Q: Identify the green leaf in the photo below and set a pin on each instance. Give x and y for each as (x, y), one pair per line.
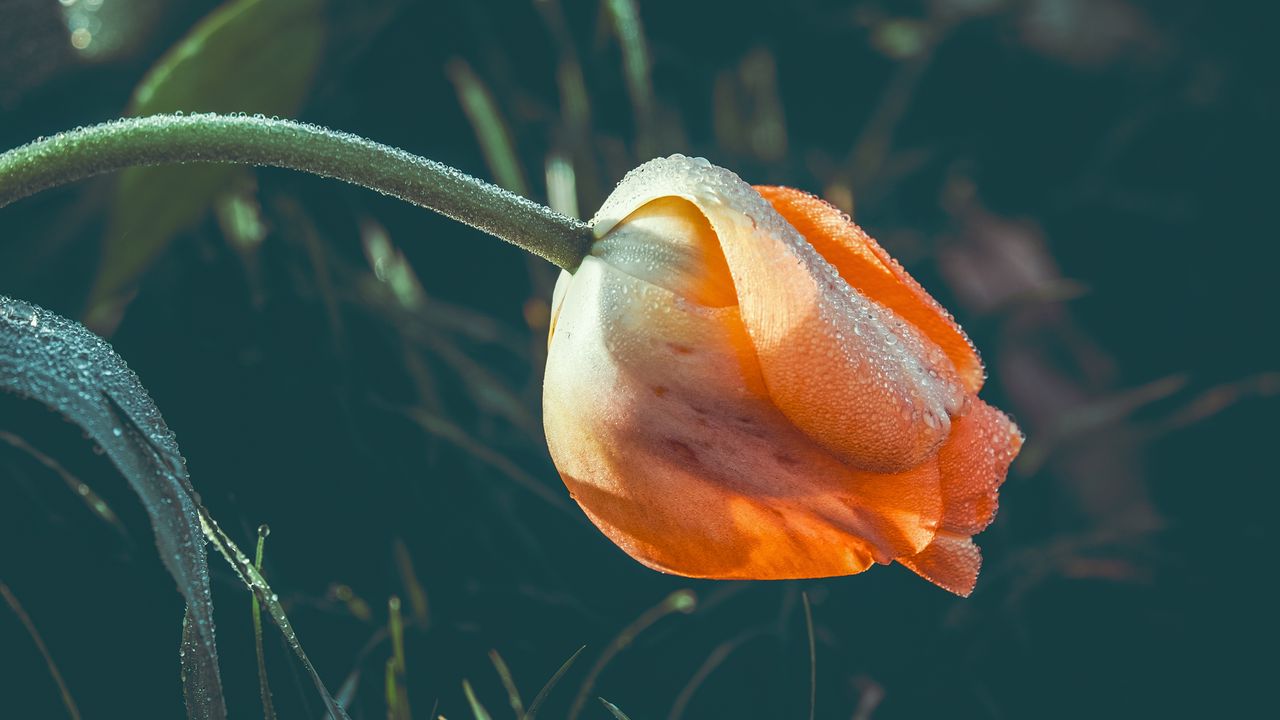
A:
(251, 56)
(59, 364)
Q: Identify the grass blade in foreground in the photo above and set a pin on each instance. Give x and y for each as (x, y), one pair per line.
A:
(268, 708)
(613, 709)
(60, 364)
(684, 601)
(256, 56)
(12, 601)
(63, 366)
(546, 689)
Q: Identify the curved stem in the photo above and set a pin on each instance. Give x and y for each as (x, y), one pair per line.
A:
(169, 139)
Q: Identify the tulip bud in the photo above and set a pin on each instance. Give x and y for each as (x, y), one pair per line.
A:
(742, 384)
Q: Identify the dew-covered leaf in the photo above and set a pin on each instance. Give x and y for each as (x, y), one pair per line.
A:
(53, 361)
(254, 56)
(61, 365)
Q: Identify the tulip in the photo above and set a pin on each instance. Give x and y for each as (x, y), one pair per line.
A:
(742, 384)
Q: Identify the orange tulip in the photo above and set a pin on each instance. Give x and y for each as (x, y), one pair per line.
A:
(742, 384)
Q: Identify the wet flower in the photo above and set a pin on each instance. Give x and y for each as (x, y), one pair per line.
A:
(743, 384)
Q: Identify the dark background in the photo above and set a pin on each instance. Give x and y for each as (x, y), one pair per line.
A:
(1086, 184)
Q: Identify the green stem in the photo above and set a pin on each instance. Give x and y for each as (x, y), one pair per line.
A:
(170, 139)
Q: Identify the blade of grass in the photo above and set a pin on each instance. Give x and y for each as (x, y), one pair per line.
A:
(250, 576)
(489, 392)
(494, 135)
(683, 601)
(813, 655)
(103, 396)
(252, 55)
(491, 130)
(397, 631)
(713, 661)
(355, 604)
(347, 690)
(392, 691)
(575, 110)
(48, 359)
(1219, 398)
(397, 691)
(541, 697)
(81, 490)
(447, 431)
(562, 184)
(268, 707)
(613, 709)
(476, 708)
(409, 578)
(1093, 417)
(25, 619)
(508, 683)
(574, 102)
(390, 266)
(624, 16)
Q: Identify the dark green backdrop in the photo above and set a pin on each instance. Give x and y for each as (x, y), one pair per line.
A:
(1086, 184)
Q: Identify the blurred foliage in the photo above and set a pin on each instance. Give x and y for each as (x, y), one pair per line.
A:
(1085, 183)
(255, 56)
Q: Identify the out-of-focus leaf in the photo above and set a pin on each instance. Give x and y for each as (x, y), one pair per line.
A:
(748, 113)
(1093, 417)
(491, 130)
(508, 683)
(50, 360)
(255, 56)
(624, 17)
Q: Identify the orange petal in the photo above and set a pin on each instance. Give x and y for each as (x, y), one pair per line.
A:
(866, 266)
(662, 428)
(853, 376)
(950, 562)
(973, 464)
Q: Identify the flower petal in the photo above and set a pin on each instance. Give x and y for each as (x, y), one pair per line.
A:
(950, 562)
(973, 464)
(678, 454)
(853, 376)
(866, 266)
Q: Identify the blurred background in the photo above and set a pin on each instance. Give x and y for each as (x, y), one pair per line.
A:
(1086, 184)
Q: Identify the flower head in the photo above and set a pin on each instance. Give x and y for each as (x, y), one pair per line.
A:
(742, 384)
